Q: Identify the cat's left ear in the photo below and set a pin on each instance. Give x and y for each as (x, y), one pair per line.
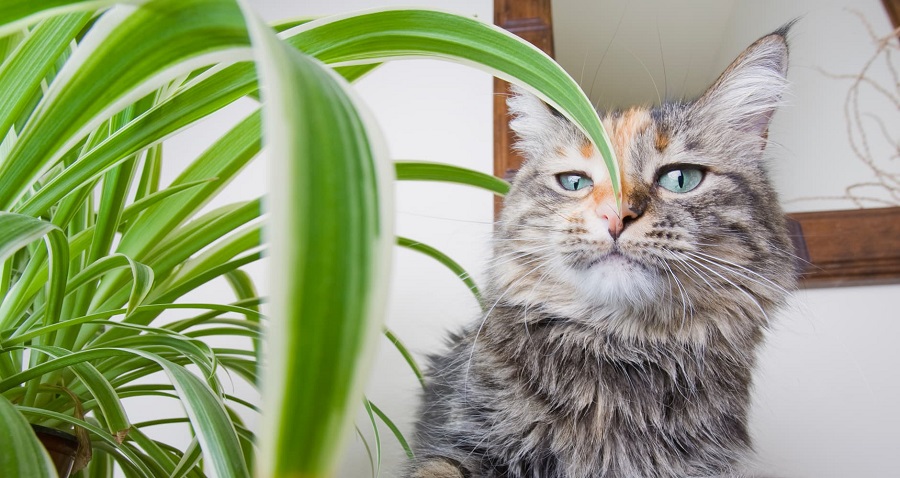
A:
(539, 127)
(745, 96)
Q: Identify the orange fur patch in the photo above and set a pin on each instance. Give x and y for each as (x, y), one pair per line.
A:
(602, 192)
(632, 122)
(662, 141)
(587, 150)
(622, 130)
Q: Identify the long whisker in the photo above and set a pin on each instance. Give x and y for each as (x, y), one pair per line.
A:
(647, 70)
(662, 59)
(518, 254)
(682, 292)
(603, 57)
(525, 313)
(524, 226)
(736, 286)
(719, 261)
(552, 209)
(443, 218)
(787, 253)
(484, 320)
(678, 257)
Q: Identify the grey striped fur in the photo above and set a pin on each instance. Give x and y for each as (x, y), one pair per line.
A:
(639, 363)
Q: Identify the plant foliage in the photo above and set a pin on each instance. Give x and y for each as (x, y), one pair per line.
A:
(94, 248)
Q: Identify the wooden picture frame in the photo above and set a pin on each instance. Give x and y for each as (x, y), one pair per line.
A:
(893, 12)
(835, 248)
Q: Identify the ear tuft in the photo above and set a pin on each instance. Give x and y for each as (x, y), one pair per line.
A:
(537, 125)
(530, 115)
(745, 96)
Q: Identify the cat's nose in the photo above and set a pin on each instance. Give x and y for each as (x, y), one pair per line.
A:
(617, 221)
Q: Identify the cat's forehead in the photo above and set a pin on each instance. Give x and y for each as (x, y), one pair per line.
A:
(643, 139)
(637, 135)
(624, 126)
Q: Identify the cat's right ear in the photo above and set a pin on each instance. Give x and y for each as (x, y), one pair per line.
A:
(537, 125)
(746, 95)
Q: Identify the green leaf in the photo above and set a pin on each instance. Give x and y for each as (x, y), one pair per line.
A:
(123, 451)
(23, 454)
(126, 55)
(368, 449)
(17, 14)
(222, 160)
(215, 432)
(153, 449)
(396, 431)
(218, 438)
(244, 289)
(368, 407)
(382, 35)
(190, 459)
(443, 259)
(142, 277)
(157, 197)
(160, 340)
(407, 355)
(177, 248)
(22, 72)
(425, 171)
(99, 388)
(329, 279)
(251, 303)
(19, 337)
(16, 231)
(221, 252)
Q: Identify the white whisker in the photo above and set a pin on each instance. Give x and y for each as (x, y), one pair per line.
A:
(736, 286)
(484, 320)
(719, 261)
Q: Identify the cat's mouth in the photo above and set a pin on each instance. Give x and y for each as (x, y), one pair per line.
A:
(614, 257)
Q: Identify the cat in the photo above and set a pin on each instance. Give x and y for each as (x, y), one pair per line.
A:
(620, 343)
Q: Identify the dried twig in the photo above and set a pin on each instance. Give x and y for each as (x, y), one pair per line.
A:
(885, 180)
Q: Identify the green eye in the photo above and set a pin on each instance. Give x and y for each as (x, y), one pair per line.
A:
(573, 182)
(681, 180)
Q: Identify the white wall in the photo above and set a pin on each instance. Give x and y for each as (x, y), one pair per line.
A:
(628, 52)
(827, 386)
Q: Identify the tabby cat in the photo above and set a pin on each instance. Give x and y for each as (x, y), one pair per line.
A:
(621, 342)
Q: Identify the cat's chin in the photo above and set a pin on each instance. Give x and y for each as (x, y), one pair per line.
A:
(616, 280)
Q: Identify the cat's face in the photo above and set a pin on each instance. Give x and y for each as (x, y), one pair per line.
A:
(699, 227)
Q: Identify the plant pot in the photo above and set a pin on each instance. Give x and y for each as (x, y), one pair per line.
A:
(62, 447)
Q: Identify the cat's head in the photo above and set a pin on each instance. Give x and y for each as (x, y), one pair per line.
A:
(700, 227)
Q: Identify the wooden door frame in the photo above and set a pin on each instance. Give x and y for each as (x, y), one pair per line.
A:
(838, 248)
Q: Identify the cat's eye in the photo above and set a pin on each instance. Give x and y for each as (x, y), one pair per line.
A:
(681, 180)
(574, 181)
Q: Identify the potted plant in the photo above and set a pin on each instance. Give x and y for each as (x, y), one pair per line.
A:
(93, 248)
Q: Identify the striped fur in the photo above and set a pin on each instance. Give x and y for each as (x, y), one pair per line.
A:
(629, 357)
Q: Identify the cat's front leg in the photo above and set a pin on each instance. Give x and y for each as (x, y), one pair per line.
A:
(439, 468)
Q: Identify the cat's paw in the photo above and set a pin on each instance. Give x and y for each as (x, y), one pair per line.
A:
(438, 468)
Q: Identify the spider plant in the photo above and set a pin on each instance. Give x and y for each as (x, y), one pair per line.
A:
(94, 248)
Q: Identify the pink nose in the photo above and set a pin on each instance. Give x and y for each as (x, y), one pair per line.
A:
(617, 221)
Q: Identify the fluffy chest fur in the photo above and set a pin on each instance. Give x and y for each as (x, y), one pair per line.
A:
(619, 333)
(560, 401)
